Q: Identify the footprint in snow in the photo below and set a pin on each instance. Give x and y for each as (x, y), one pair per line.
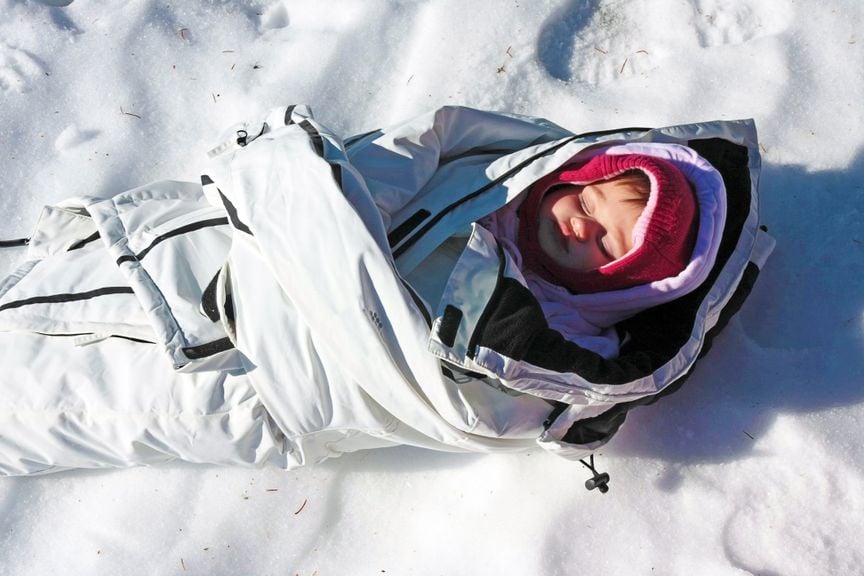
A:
(597, 42)
(17, 69)
(802, 508)
(72, 136)
(600, 41)
(274, 17)
(722, 22)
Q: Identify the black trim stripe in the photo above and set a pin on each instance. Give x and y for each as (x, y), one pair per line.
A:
(70, 297)
(76, 334)
(336, 169)
(131, 339)
(176, 232)
(208, 349)
(81, 243)
(14, 243)
(314, 136)
(352, 140)
(288, 112)
(206, 180)
(407, 226)
(418, 302)
(468, 197)
(232, 214)
(318, 143)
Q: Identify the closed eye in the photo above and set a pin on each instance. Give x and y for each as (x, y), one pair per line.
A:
(584, 205)
(601, 244)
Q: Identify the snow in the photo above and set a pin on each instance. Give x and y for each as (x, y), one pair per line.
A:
(754, 467)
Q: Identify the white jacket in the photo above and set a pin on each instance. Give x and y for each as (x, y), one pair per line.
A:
(300, 272)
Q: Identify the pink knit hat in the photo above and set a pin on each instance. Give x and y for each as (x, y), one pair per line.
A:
(663, 236)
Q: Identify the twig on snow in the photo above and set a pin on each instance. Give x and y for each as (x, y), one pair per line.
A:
(129, 113)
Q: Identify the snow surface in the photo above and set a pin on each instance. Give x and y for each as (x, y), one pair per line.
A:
(755, 467)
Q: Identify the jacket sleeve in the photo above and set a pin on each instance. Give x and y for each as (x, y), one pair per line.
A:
(397, 162)
(298, 205)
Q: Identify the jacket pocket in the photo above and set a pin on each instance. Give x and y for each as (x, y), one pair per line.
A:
(170, 245)
(468, 298)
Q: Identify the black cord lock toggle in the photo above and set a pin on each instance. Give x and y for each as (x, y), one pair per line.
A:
(600, 480)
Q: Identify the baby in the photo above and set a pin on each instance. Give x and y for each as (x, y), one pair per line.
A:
(595, 236)
(116, 352)
(611, 223)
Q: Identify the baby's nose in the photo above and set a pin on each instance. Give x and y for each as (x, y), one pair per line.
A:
(583, 229)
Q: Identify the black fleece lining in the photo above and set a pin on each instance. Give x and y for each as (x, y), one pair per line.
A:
(517, 328)
(612, 419)
(597, 428)
(449, 326)
(491, 311)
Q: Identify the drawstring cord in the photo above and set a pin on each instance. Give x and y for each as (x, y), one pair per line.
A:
(599, 481)
(14, 243)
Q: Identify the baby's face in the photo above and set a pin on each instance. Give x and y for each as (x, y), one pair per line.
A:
(585, 227)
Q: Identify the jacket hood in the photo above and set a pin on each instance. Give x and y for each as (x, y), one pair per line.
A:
(604, 309)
